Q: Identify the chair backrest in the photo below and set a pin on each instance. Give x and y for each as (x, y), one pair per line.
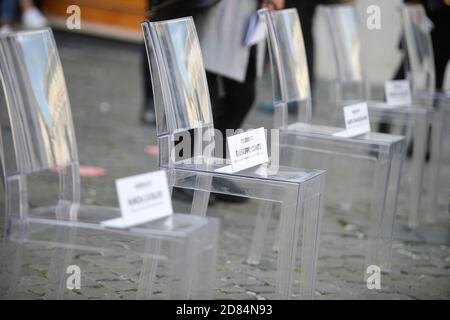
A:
(350, 83)
(37, 103)
(420, 69)
(290, 79)
(180, 88)
(343, 27)
(178, 75)
(42, 134)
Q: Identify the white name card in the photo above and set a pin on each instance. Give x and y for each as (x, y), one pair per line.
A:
(398, 93)
(356, 121)
(142, 198)
(247, 149)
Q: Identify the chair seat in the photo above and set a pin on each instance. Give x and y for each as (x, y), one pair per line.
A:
(326, 133)
(384, 107)
(222, 167)
(434, 95)
(90, 217)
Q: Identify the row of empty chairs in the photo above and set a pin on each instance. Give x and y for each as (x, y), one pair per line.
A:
(177, 255)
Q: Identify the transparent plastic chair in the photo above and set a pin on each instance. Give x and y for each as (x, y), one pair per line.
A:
(351, 85)
(41, 156)
(385, 153)
(420, 70)
(182, 104)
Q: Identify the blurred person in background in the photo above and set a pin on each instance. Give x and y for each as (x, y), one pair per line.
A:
(221, 26)
(306, 10)
(230, 69)
(32, 18)
(230, 65)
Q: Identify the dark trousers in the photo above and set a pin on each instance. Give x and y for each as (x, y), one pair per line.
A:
(230, 110)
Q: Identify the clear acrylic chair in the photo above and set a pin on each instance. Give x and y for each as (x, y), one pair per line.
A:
(420, 70)
(42, 196)
(182, 104)
(384, 152)
(351, 85)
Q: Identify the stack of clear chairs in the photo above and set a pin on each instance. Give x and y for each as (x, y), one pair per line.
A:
(420, 70)
(168, 258)
(351, 85)
(182, 106)
(383, 153)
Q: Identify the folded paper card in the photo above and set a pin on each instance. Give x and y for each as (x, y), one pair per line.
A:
(142, 198)
(247, 149)
(356, 121)
(398, 93)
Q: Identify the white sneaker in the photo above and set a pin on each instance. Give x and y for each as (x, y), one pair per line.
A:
(33, 19)
(5, 29)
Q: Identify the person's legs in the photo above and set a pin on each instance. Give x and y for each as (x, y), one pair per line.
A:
(441, 46)
(213, 87)
(219, 110)
(238, 100)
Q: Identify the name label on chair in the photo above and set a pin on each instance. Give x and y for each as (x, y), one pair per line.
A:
(142, 198)
(398, 93)
(247, 149)
(356, 121)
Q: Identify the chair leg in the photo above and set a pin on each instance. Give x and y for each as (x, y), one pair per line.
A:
(261, 225)
(15, 233)
(380, 234)
(205, 261)
(10, 267)
(201, 198)
(310, 245)
(276, 242)
(418, 162)
(335, 101)
(69, 192)
(148, 269)
(437, 132)
(181, 258)
(393, 173)
(60, 261)
(290, 222)
(351, 180)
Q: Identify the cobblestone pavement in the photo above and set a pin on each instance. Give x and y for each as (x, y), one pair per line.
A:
(104, 85)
